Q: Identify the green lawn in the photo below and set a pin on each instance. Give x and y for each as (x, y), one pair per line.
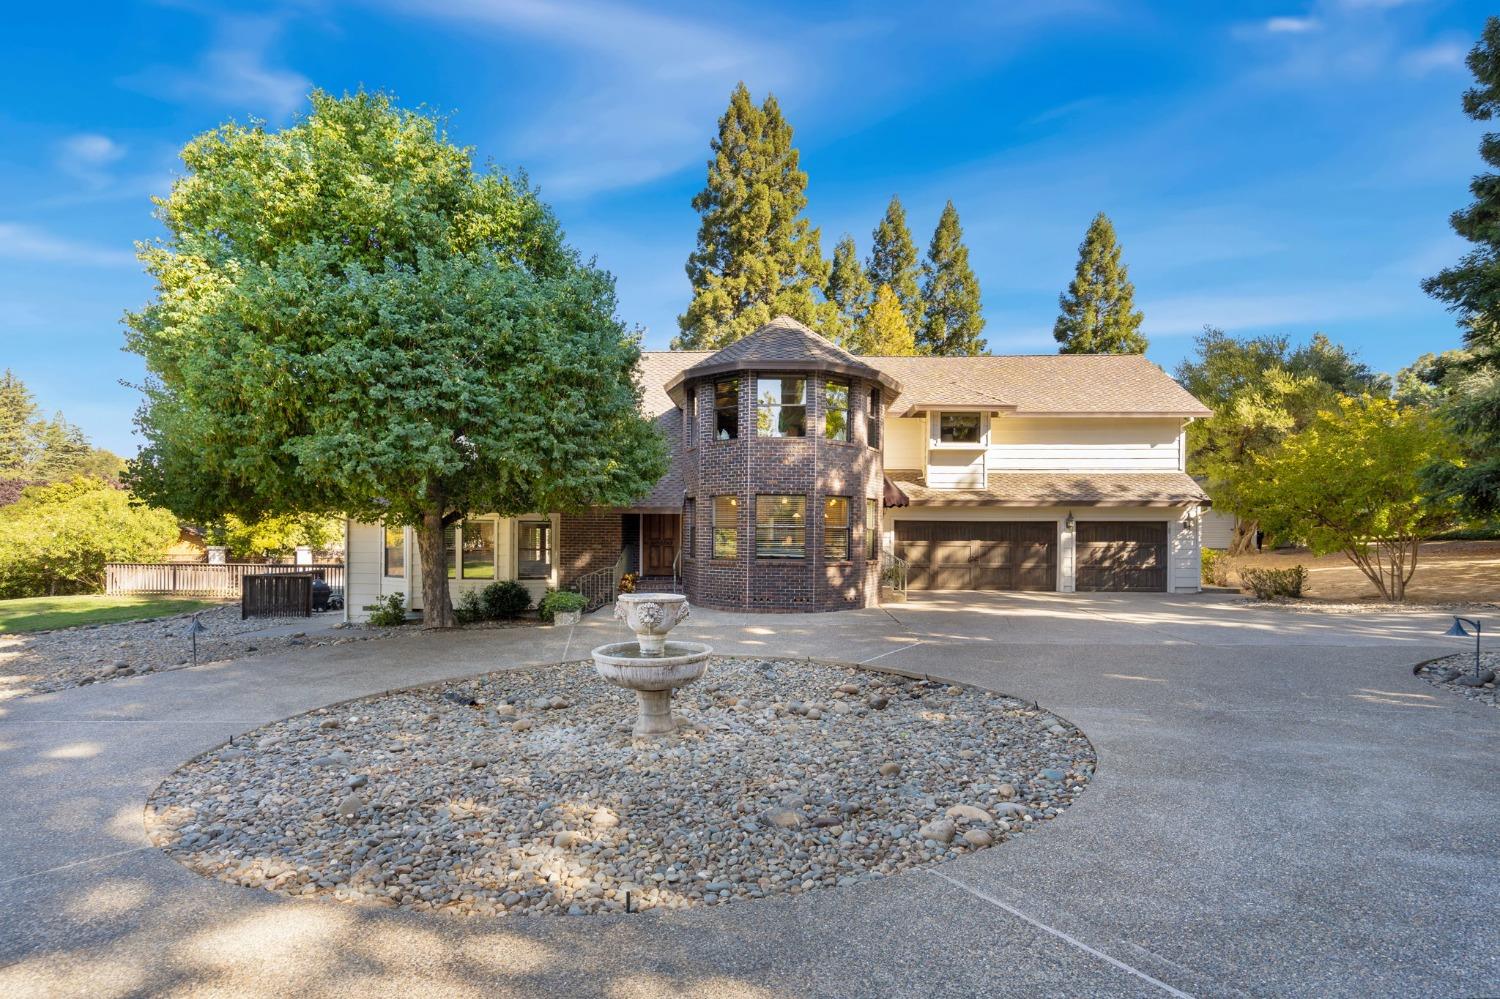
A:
(43, 613)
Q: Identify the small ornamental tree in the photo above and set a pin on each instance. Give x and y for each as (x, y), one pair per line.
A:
(349, 318)
(1097, 312)
(1350, 483)
(884, 329)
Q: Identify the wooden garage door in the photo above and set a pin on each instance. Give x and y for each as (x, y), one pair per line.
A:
(1118, 555)
(978, 555)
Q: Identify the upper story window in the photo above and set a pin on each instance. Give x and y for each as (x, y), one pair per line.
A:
(781, 407)
(958, 428)
(872, 419)
(836, 411)
(395, 551)
(534, 549)
(690, 418)
(727, 409)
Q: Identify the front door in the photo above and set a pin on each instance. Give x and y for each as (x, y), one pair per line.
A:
(658, 543)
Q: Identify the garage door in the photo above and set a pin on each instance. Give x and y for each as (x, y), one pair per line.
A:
(978, 555)
(1117, 555)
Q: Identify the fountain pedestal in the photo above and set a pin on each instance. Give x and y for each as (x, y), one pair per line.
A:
(652, 666)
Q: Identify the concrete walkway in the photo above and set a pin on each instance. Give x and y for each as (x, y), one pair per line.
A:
(1281, 808)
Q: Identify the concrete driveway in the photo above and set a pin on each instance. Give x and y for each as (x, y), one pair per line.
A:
(1280, 808)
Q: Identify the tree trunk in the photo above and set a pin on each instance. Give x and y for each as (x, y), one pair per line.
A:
(437, 603)
(1243, 542)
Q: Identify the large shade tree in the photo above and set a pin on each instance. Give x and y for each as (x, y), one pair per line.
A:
(1471, 288)
(1349, 483)
(757, 256)
(349, 317)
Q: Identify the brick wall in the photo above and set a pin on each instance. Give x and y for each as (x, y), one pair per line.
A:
(590, 540)
(812, 467)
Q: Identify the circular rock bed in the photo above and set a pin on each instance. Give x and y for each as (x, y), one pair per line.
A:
(1456, 673)
(522, 792)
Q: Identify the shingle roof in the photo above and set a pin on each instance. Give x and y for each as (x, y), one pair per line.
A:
(658, 367)
(1061, 489)
(782, 339)
(1041, 383)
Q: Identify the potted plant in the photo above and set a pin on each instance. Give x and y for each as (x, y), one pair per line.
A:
(562, 607)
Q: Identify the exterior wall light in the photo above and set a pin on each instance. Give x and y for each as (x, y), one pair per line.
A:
(1069, 522)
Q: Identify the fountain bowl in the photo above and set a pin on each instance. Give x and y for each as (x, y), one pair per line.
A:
(651, 616)
(622, 664)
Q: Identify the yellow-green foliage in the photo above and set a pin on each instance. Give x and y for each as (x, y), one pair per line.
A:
(55, 539)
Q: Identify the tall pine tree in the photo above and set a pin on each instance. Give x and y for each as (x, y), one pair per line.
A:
(18, 417)
(950, 293)
(884, 329)
(1472, 289)
(893, 261)
(849, 291)
(1098, 309)
(756, 257)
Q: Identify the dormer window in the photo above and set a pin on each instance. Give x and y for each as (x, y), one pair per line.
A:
(781, 407)
(958, 428)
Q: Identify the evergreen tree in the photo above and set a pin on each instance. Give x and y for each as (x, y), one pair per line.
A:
(950, 293)
(893, 261)
(756, 257)
(17, 427)
(849, 291)
(1472, 289)
(885, 330)
(1098, 309)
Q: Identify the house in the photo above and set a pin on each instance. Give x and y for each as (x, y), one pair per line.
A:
(798, 468)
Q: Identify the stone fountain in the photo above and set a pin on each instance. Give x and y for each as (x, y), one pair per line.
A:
(652, 666)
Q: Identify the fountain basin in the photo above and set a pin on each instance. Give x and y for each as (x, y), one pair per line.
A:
(622, 664)
(651, 616)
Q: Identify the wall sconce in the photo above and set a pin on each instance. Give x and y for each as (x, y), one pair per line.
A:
(1069, 522)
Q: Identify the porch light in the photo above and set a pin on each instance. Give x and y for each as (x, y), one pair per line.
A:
(1069, 522)
(1459, 631)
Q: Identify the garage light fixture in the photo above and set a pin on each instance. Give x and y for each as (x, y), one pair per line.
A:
(1069, 522)
(1459, 631)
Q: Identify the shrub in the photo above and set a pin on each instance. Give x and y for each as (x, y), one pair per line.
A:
(560, 602)
(1215, 567)
(505, 599)
(470, 608)
(1269, 583)
(389, 612)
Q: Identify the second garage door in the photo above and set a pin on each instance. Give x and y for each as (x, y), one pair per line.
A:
(1118, 555)
(978, 555)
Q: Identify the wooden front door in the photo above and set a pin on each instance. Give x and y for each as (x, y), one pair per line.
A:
(658, 543)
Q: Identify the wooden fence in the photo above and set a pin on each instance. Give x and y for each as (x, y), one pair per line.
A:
(201, 578)
(277, 594)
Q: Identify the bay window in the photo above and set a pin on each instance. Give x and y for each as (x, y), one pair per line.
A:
(781, 527)
(836, 529)
(836, 411)
(781, 407)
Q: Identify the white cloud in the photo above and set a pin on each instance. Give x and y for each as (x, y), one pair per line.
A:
(87, 157)
(234, 73)
(24, 242)
(1436, 57)
(1290, 25)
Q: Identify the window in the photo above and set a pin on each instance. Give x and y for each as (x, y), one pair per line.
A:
(534, 550)
(836, 411)
(450, 549)
(872, 419)
(958, 428)
(689, 518)
(727, 409)
(872, 530)
(395, 551)
(780, 527)
(479, 549)
(836, 529)
(726, 526)
(690, 418)
(781, 407)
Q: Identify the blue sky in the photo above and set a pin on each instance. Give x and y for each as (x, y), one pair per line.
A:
(1270, 167)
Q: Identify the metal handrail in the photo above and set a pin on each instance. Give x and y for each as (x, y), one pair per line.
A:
(600, 586)
(893, 570)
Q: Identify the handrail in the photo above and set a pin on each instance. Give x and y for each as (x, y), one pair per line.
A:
(600, 586)
(893, 570)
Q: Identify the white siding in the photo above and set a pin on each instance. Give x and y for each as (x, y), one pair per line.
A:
(1218, 529)
(1185, 559)
(955, 469)
(363, 559)
(1133, 444)
(905, 443)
